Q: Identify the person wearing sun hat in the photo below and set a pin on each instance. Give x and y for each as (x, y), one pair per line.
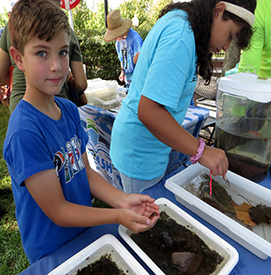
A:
(128, 43)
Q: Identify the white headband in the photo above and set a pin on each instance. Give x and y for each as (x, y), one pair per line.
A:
(241, 12)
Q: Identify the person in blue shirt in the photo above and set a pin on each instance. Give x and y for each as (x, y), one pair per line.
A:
(128, 44)
(177, 49)
(1, 31)
(45, 145)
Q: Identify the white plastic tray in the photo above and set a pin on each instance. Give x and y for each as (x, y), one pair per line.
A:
(249, 190)
(105, 244)
(107, 101)
(210, 238)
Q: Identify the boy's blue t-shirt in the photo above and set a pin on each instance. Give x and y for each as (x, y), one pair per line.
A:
(126, 49)
(34, 143)
(166, 72)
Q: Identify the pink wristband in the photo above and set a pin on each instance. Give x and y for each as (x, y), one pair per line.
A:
(194, 159)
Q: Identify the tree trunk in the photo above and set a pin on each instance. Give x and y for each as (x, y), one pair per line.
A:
(232, 57)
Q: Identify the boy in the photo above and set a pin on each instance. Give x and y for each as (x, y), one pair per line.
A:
(45, 146)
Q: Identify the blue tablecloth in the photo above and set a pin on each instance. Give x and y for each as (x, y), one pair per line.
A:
(248, 264)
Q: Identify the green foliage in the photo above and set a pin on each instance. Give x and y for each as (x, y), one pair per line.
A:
(89, 26)
(100, 57)
(3, 19)
(155, 10)
(4, 117)
(82, 17)
(12, 257)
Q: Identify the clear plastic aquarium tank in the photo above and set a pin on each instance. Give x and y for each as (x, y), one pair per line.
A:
(243, 124)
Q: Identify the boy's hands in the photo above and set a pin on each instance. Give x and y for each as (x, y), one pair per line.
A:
(142, 207)
(136, 222)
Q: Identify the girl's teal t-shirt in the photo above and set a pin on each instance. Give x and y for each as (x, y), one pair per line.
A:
(166, 72)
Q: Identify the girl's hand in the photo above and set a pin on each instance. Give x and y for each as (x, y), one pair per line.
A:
(121, 76)
(135, 58)
(214, 159)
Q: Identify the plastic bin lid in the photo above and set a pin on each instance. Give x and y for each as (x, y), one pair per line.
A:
(246, 85)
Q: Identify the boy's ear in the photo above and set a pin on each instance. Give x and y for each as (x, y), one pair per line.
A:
(17, 57)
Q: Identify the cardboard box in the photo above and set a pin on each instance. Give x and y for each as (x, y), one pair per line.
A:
(249, 191)
(105, 244)
(211, 239)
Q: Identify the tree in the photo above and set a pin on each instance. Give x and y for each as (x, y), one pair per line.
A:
(139, 8)
(232, 57)
(155, 10)
(89, 25)
(82, 17)
(3, 19)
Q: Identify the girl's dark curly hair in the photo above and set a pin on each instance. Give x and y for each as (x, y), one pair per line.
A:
(200, 16)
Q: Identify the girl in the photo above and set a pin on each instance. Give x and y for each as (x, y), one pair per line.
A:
(177, 49)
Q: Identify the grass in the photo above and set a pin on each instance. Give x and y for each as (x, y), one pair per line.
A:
(12, 257)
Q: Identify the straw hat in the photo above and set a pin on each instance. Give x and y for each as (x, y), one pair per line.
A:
(116, 25)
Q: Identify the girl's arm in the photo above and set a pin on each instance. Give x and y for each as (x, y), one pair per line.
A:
(164, 127)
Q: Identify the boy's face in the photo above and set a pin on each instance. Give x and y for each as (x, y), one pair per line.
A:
(46, 64)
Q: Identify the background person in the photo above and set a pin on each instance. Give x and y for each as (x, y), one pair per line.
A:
(45, 145)
(1, 31)
(4, 94)
(77, 97)
(128, 44)
(78, 83)
(258, 56)
(176, 50)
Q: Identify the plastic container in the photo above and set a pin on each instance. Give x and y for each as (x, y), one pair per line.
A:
(211, 239)
(243, 124)
(104, 93)
(102, 86)
(254, 193)
(105, 244)
(106, 101)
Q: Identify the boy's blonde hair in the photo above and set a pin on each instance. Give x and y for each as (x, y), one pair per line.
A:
(41, 18)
